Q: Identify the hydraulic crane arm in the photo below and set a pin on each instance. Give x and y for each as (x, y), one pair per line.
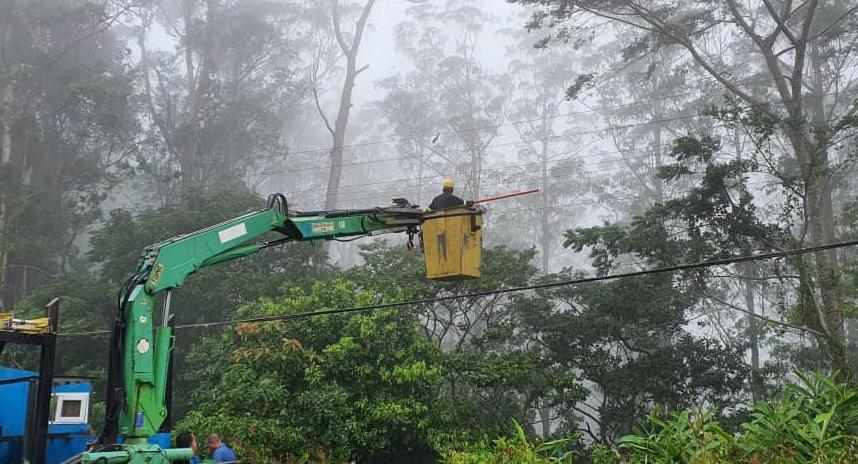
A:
(140, 351)
(170, 262)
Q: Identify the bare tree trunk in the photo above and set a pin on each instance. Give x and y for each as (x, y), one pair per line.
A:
(753, 333)
(750, 304)
(5, 163)
(196, 86)
(545, 420)
(545, 245)
(166, 192)
(827, 261)
(338, 132)
(658, 185)
(821, 221)
(545, 240)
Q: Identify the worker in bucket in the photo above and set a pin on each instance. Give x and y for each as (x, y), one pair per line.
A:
(446, 199)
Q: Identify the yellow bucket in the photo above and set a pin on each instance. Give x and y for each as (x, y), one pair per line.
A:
(452, 243)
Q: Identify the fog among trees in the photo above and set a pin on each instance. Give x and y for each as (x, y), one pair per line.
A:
(659, 133)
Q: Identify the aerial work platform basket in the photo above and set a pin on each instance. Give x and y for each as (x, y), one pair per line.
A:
(452, 243)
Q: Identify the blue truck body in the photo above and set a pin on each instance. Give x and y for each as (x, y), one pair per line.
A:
(68, 429)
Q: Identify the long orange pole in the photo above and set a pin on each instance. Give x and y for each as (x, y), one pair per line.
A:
(506, 195)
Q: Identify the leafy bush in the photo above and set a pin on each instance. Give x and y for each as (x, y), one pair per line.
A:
(516, 449)
(686, 437)
(814, 421)
(342, 387)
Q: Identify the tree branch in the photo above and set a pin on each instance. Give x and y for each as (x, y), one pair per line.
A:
(710, 68)
(782, 25)
(766, 50)
(800, 54)
(338, 33)
(314, 90)
(361, 23)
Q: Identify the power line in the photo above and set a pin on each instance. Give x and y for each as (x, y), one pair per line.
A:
(362, 196)
(561, 136)
(464, 150)
(303, 193)
(522, 176)
(716, 87)
(585, 280)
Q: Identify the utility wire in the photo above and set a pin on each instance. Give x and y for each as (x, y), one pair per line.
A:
(716, 87)
(666, 269)
(427, 180)
(464, 150)
(322, 190)
(521, 181)
(571, 171)
(421, 179)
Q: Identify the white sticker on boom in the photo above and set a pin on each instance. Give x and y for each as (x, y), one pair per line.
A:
(232, 233)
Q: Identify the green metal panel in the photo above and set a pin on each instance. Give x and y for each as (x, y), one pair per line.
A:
(325, 228)
(138, 454)
(179, 257)
(144, 410)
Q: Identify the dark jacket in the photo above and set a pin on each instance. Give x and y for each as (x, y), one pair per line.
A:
(446, 200)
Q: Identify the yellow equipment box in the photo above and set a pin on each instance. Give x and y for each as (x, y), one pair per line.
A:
(453, 243)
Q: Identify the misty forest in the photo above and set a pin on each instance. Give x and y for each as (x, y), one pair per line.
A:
(683, 287)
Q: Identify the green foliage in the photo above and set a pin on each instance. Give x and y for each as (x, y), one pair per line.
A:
(628, 339)
(85, 304)
(685, 437)
(632, 331)
(493, 370)
(374, 386)
(67, 130)
(601, 454)
(515, 449)
(814, 421)
(339, 387)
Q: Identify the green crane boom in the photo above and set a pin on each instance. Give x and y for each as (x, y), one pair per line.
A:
(140, 350)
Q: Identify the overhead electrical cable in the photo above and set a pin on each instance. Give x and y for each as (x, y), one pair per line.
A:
(716, 88)
(584, 280)
(495, 168)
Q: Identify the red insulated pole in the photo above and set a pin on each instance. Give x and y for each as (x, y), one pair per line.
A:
(506, 195)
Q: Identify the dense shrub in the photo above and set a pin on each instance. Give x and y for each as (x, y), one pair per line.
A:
(814, 421)
(515, 449)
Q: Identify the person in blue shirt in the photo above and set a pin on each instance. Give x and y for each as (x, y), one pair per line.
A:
(220, 452)
(187, 440)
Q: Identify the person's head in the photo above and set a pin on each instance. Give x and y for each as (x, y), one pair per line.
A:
(447, 186)
(213, 441)
(186, 440)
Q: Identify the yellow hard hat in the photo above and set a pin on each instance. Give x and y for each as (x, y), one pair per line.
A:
(448, 183)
